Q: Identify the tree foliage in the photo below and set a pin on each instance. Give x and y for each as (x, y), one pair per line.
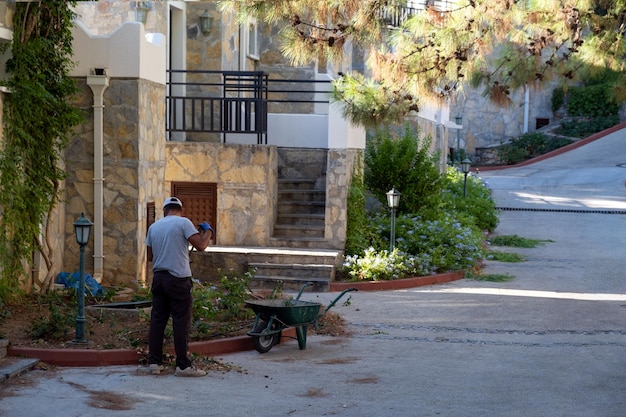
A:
(37, 123)
(497, 45)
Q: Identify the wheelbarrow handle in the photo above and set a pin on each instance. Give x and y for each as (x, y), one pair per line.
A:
(332, 303)
(302, 289)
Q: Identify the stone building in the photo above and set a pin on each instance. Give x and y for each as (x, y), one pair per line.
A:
(183, 100)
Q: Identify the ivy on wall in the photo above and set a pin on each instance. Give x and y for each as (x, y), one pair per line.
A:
(38, 121)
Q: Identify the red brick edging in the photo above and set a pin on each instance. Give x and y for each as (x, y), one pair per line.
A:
(108, 357)
(398, 284)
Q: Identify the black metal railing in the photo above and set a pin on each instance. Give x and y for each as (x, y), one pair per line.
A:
(223, 102)
(396, 13)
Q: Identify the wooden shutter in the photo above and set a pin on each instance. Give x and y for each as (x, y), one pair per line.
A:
(199, 201)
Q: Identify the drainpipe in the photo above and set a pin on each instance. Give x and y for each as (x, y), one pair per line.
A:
(526, 108)
(98, 81)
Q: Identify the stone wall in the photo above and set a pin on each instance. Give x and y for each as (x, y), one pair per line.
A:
(485, 124)
(246, 178)
(339, 172)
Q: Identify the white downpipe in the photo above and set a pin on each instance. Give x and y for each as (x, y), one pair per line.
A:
(526, 108)
(98, 81)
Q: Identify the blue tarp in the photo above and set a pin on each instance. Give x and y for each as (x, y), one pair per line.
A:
(72, 281)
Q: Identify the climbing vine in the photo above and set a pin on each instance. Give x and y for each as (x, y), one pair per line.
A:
(37, 121)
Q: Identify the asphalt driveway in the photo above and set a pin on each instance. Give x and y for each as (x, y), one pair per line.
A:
(551, 342)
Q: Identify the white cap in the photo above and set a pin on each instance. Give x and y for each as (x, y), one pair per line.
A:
(172, 200)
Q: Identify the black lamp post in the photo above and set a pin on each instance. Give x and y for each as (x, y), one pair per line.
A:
(393, 199)
(459, 121)
(466, 165)
(82, 229)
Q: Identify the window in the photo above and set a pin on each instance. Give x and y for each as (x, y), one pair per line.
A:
(252, 39)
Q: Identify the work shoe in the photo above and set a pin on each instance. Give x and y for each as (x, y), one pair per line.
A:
(153, 369)
(190, 371)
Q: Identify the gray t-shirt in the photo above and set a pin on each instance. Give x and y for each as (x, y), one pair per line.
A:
(170, 248)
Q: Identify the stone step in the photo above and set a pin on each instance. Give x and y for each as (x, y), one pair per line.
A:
(301, 219)
(300, 271)
(291, 195)
(305, 231)
(301, 207)
(299, 242)
(297, 184)
(294, 256)
(289, 283)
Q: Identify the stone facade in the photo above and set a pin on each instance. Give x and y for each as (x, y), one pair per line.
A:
(246, 186)
(134, 168)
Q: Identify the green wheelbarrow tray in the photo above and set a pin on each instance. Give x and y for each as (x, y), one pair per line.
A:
(273, 316)
(289, 312)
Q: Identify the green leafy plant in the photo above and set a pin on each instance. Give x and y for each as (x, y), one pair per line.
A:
(357, 238)
(529, 145)
(477, 208)
(220, 308)
(489, 277)
(57, 318)
(581, 128)
(38, 120)
(516, 241)
(376, 265)
(505, 256)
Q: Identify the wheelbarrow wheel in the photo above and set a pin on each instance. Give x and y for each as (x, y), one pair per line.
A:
(263, 344)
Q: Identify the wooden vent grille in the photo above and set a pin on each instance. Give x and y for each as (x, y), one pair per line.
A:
(150, 214)
(199, 201)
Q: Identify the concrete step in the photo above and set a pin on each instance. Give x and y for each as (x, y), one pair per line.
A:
(11, 366)
(304, 231)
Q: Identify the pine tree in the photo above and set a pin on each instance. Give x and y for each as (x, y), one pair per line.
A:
(497, 45)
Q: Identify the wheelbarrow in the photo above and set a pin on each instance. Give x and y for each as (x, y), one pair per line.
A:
(274, 316)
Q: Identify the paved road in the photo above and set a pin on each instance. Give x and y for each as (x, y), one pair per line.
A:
(551, 342)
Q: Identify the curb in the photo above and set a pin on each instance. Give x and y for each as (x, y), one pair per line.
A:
(398, 284)
(109, 357)
(558, 151)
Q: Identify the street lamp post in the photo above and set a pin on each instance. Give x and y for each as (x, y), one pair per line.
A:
(393, 199)
(459, 121)
(82, 229)
(466, 165)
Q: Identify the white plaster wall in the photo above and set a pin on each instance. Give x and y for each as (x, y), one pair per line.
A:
(126, 53)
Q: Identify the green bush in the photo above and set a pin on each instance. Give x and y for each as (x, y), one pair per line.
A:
(592, 101)
(529, 145)
(423, 247)
(403, 161)
(477, 208)
(558, 98)
(583, 128)
(381, 265)
(217, 308)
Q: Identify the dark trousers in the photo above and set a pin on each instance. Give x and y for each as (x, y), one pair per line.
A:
(170, 296)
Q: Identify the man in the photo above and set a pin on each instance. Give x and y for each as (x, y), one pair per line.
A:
(168, 249)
